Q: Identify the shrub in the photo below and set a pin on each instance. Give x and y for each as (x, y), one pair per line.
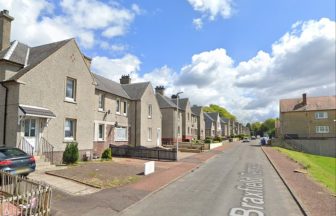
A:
(218, 139)
(107, 154)
(71, 153)
(208, 140)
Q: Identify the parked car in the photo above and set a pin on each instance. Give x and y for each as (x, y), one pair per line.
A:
(16, 161)
(246, 140)
(253, 138)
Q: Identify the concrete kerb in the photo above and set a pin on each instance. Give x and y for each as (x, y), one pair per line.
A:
(172, 181)
(303, 209)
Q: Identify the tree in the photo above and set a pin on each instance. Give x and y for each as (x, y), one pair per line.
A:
(221, 110)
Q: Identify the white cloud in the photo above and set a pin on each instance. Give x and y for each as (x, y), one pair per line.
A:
(115, 68)
(198, 23)
(36, 21)
(303, 60)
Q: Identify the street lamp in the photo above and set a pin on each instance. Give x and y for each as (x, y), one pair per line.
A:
(178, 115)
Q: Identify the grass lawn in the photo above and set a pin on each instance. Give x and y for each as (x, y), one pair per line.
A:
(322, 169)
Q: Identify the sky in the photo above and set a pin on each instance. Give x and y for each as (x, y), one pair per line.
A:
(240, 54)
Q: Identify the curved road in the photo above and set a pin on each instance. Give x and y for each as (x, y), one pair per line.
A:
(239, 181)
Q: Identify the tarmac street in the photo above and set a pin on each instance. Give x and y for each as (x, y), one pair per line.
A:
(239, 181)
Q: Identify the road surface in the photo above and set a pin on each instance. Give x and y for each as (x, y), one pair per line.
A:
(239, 181)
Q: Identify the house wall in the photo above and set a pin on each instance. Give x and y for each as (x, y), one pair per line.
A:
(186, 123)
(45, 86)
(12, 126)
(155, 122)
(194, 127)
(304, 123)
(201, 126)
(108, 116)
(170, 123)
(7, 70)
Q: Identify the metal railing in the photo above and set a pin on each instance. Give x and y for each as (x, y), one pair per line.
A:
(20, 196)
(150, 153)
(25, 146)
(46, 149)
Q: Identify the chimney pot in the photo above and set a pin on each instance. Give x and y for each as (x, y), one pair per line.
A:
(304, 99)
(125, 79)
(160, 90)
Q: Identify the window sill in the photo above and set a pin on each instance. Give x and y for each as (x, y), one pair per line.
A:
(120, 140)
(117, 113)
(101, 110)
(68, 140)
(149, 140)
(70, 100)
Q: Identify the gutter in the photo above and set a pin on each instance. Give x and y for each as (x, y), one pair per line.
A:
(5, 114)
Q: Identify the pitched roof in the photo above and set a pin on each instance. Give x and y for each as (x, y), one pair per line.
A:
(135, 90)
(313, 103)
(27, 56)
(164, 102)
(208, 120)
(196, 110)
(182, 102)
(110, 86)
(224, 120)
(214, 115)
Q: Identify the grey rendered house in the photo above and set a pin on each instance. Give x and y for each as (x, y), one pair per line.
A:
(209, 125)
(187, 123)
(198, 111)
(171, 117)
(217, 121)
(49, 97)
(111, 122)
(144, 113)
(224, 126)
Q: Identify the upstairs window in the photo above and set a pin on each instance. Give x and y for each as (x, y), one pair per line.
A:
(101, 102)
(125, 108)
(118, 106)
(150, 111)
(70, 90)
(321, 115)
(149, 134)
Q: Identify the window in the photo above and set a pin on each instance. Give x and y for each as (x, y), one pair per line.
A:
(150, 111)
(321, 115)
(149, 134)
(30, 127)
(118, 106)
(101, 102)
(179, 114)
(322, 129)
(101, 132)
(70, 91)
(178, 130)
(70, 129)
(188, 130)
(120, 134)
(125, 108)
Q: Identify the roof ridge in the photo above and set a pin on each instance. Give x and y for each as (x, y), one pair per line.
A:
(11, 50)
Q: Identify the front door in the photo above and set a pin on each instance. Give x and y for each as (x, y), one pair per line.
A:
(158, 141)
(31, 131)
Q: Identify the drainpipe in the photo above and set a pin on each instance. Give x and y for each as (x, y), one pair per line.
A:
(135, 125)
(5, 114)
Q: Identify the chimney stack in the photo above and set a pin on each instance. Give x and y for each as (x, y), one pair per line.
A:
(304, 99)
(5, 29)
(125, 79)
(160, 90)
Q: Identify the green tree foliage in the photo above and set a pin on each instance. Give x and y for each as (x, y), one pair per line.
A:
(266, 127)
(221, 110)
(71, 153)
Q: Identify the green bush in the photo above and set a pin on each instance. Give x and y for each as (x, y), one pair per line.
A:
(107, 154)
(71, 153)
(208, 140)
(218, 139)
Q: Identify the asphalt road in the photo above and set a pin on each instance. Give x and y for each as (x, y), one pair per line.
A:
(239, 181)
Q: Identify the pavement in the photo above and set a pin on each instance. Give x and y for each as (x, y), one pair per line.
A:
(238, 181)
(311, 196)
(111, 201)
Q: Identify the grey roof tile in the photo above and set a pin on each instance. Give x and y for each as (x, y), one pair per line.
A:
(208, 120)
(135, 90)
(196, 110)
(165, 102)
(36, 111)
(110, 86)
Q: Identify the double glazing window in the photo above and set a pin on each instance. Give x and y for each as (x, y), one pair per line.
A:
(321, 115)
(70, 129)
(322, 129)
(30, 128)
(101, 102)
(70, 90)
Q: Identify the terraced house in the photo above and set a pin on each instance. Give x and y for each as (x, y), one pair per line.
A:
(49, 97)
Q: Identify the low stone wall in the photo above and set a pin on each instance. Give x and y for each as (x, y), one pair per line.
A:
(323, 147)
(215, 145)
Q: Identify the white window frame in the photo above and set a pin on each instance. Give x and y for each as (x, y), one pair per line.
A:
(150, 134)
(101, 102)
(321, 115)
(103, 132)
(125, 110)
(118, 106)
(74, 128)
(74, 92)
(116, 138)
(322, 129)
(150, 110)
